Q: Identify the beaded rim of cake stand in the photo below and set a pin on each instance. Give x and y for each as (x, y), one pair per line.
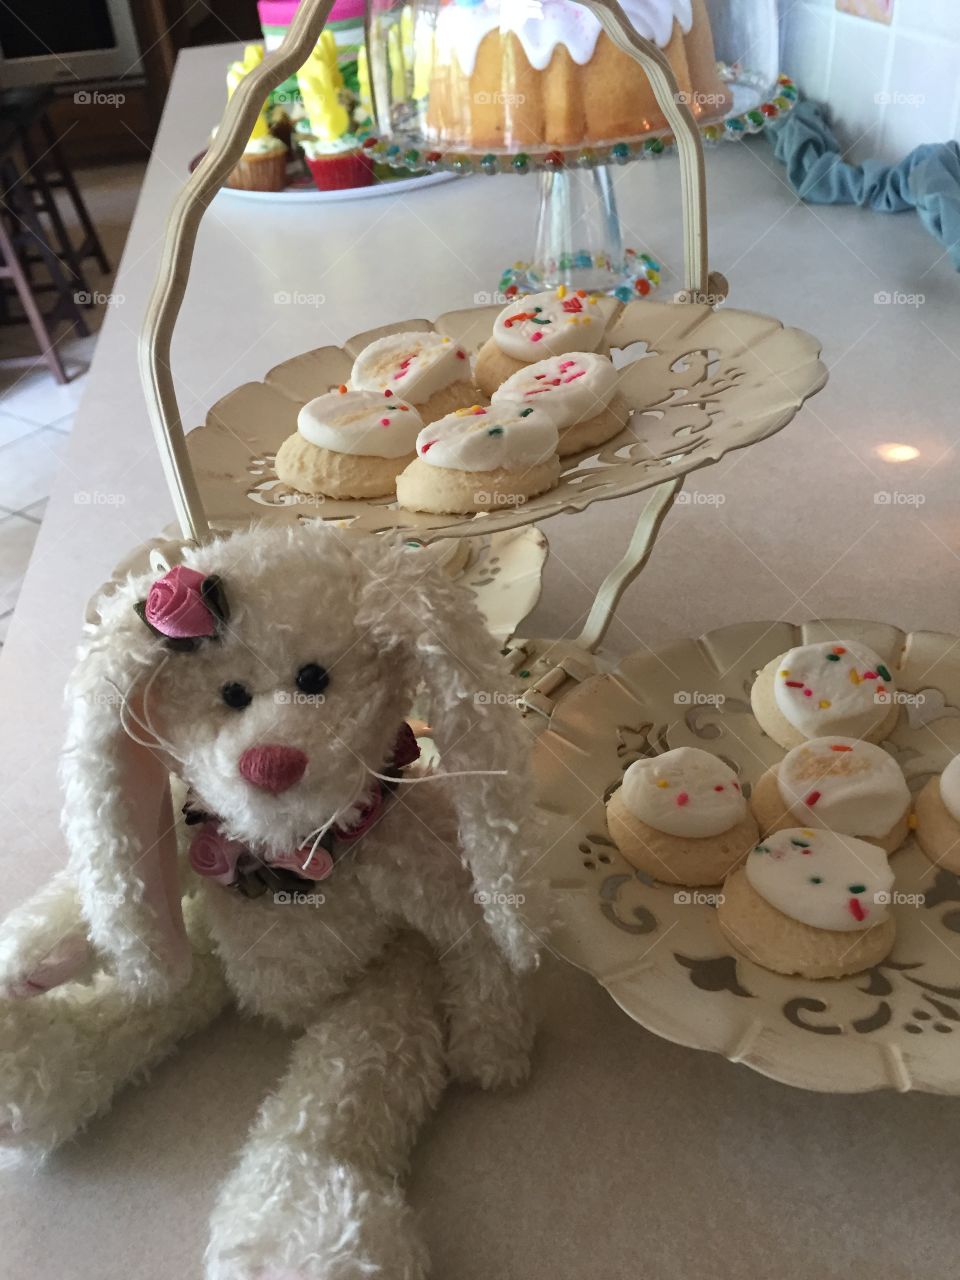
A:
(520, 278)
(550, 159)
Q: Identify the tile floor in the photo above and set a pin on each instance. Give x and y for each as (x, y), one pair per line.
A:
(35, 413)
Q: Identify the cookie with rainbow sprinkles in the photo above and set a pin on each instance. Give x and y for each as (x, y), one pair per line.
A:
(485, 457)
(938, 818)
(537, 326)
(837, 687)
(809, 902)
(349, 444)
(681, 817)
(429, 370)
(578, 390)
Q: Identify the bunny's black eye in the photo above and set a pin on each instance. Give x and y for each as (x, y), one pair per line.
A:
(312, 678)
(236, 695)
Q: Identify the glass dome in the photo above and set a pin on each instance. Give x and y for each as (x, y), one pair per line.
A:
(497, 76)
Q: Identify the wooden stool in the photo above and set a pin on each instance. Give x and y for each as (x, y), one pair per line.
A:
(22, 245)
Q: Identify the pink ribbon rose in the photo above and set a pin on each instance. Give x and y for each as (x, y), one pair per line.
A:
(175, 606)
(213, 855)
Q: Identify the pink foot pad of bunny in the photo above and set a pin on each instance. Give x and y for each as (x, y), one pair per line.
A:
(681, 817)
(812, 903)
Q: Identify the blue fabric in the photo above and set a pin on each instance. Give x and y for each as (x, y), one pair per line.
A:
(928, 180)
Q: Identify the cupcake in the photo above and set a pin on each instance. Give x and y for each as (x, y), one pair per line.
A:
(349, 444)
(816, 690)
(813, 903)
(681, 817)
(263, 166)
(840, 784)
(938, 818)
(333, 153)
(578, 390)
(479, 459)
(535, 327)
(430, 371)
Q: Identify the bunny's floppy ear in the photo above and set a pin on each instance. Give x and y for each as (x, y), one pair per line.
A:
(117, 814)
(421, 617)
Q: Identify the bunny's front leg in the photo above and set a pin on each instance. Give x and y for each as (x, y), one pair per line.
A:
(420, 881)
(315, 1195)
(64, 1054)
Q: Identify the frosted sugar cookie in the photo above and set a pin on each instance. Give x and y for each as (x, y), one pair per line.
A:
(536, 326)
(938, 818)
(349, 444)
(429, 371)
(810, 902)
(681, 817)
(578, 390)
(481, 458)
(840, 784)
(837, 687)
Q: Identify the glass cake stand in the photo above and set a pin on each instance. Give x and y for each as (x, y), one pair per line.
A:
(578, 239)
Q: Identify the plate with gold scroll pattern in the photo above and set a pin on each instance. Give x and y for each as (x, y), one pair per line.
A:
(658, 950)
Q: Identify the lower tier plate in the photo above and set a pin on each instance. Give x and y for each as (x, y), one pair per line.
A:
(659, 951)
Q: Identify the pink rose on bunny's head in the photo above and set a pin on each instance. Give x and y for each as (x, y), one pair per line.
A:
(176, 608)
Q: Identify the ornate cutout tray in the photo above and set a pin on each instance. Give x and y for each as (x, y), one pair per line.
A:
(660, 953)
(701, 382)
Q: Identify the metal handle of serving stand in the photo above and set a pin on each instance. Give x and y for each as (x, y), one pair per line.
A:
(226, 151)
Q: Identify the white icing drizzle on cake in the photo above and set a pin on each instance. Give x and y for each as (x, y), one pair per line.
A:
(549, 324)
(414, 365)
(369, 424)
(542, 25)
(823, 879)
(685, 792)
(571, 387)
(833, 687)
(845, 785)
(489, 438)
(950, 788)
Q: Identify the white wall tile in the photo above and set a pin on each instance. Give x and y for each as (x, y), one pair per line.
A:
(858, 75)
(806, 42)
(922, 90)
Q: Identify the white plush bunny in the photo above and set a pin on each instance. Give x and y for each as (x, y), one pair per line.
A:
(272, 673)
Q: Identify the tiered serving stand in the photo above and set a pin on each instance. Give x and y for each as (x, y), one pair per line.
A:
(702, 380)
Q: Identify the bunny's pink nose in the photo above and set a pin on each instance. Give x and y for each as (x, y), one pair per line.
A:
(272, 768)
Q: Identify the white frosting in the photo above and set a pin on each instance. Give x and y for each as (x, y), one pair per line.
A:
(845, 785)
(684, 792)
(366, 423)
(414, 365)
(822, 879)
(571, 388)
(832, 688)
(549, 324)
(541, 25)
(950, 788)
(489, 438)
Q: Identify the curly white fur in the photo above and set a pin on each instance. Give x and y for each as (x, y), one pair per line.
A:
(402, 969)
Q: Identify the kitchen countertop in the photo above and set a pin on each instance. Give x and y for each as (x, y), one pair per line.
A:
(625, 1155)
